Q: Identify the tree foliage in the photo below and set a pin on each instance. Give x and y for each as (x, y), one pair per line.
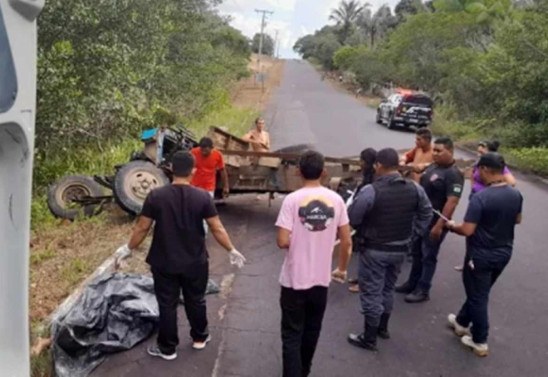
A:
(345, 16)
(376, 26)
(486, 60)
(268, 44)
(106, 68)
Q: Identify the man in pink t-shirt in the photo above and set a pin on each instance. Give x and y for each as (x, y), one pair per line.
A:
(308, 224)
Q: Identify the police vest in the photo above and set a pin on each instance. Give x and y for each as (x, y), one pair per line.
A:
(391, 218)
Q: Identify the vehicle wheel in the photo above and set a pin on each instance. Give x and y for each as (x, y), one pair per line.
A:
(378, 119)
(62, 194)
(132, 183)
(391, 124)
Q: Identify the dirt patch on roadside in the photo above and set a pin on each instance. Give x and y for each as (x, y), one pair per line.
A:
(251, 92)
(64, 255)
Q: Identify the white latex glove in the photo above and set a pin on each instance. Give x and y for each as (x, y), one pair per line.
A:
(450, 224)
(122, 253)
(236, 258)
(339, 276)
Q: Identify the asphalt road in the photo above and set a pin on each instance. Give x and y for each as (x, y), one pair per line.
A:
(245, 320)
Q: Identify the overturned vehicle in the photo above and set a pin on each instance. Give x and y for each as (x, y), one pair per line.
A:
(248, 172)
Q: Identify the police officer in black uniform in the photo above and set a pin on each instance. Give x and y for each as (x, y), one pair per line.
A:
(385, 214)
(443, 183)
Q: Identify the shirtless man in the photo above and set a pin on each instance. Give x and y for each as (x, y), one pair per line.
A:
(419, 157)
(258, 137)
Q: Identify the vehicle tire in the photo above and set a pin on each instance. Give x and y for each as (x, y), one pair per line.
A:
(132, 183)
(378, 119)
(391, 124)
(63, 192)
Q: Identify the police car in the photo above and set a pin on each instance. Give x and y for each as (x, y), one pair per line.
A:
(405, 108)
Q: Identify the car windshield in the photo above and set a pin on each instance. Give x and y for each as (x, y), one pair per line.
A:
(418, 100)
(8, 82)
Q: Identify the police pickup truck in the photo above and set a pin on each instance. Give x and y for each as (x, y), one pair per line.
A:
(405, 108)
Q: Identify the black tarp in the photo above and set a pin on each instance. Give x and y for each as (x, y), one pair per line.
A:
(113, 314)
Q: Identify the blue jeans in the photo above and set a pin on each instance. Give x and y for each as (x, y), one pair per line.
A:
(477, 284)
(378, 273)
(425, 259)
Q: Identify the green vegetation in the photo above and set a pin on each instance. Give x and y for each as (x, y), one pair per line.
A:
(237, 121)
(484, 61)
(42, 365)
(268, 44)
(75, 271)
(37, 258)
(107, 72)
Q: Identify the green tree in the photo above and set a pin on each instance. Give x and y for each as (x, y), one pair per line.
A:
(103, 70)
(407, 8)
(376, 25)
(345, 16)
(325, 48)
(346, 56)
(268, 44)
(487, 11)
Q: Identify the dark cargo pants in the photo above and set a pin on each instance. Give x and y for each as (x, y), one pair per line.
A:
(378, 273)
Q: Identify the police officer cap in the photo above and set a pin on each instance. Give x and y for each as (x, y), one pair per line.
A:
(492, 160)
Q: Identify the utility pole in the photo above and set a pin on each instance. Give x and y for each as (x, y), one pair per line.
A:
(263, 25)
(276, 44)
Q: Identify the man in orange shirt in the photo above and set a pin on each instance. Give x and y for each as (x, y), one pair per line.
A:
(421, 156)
(208, 162)
(258, 137)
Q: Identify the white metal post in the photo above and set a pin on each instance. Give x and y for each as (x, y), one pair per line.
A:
(17, 62)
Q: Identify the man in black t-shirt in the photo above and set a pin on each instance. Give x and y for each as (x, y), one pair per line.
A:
(489, 227)
(443, 183)
(178, 257)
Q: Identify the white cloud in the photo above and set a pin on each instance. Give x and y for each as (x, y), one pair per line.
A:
(251, 5)
(293, 18)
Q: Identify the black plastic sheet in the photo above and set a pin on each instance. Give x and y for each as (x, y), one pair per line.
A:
(113, 314)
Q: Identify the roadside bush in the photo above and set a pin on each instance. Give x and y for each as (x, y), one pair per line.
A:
(534, 160)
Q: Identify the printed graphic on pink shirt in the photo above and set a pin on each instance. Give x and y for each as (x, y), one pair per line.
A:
(313, 216)
(316, 213)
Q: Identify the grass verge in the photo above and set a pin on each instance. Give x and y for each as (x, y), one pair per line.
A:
(468, 134)
(235, 120)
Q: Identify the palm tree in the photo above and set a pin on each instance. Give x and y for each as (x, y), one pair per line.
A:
(376, 25)
(346, 15)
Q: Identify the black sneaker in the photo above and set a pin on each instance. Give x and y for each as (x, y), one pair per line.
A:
(155, 351)
(416, 297)
(404, 288)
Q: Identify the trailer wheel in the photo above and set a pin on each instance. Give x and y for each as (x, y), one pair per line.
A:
(132, 183)
(62, 194)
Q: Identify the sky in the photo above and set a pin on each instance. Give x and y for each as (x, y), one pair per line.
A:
(292, 18)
